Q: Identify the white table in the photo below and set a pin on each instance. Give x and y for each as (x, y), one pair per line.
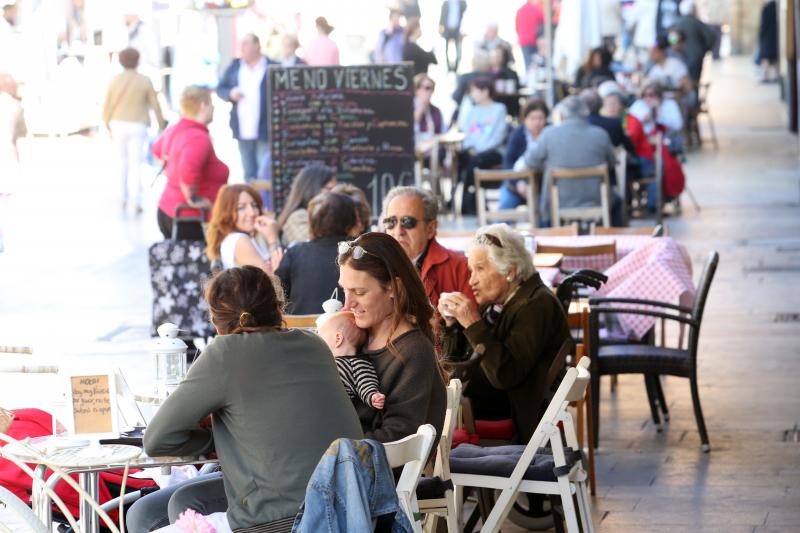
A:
(87, 463)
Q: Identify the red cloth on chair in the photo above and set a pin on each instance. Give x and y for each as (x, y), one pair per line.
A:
(495, 429)
(461, 436)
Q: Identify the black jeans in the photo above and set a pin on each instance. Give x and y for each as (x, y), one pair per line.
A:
(187, 231)
(467, 163)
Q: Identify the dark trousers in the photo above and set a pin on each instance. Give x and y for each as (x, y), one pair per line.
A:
(452, 39)
(204, 494)
(467, 163)
(187, 231)
(488, 403)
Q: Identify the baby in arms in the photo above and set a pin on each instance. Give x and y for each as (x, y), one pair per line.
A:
(344, 338)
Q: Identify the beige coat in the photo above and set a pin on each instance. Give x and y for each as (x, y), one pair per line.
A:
(129, 98)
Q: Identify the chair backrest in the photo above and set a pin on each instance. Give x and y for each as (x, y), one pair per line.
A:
(570, 230)
(559, 362)
(703, 286)
(621, 172)
(609, 249)
(441, 467)
(572, 388)
(601, 211)
(412, 454)
(653, 231)
(530, 214)
(300, 321)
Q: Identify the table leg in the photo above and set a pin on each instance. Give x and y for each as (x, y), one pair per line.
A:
(40, 501)
(89, 482)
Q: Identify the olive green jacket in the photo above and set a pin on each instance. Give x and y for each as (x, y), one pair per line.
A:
(518, 349)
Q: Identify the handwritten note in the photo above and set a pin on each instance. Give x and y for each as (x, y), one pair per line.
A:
(91, 404)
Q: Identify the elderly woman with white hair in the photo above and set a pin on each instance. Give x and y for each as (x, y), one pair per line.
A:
(518, 328)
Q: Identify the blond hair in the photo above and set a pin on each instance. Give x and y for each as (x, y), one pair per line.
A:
(192, 98)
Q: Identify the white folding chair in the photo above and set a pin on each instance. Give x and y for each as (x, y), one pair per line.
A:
(444, 506)
(570, 478)
(412, 454)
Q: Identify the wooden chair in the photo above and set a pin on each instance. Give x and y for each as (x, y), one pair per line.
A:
(300, 321)
(535, 473)
(412, 454)
(443, 506)
(570, 230)
(621, 171)
(651, 361)
(702, 109)
(658, 230)
(579, 320)
(640, 186)
(607, 249)
(530, 214)
(600, 212)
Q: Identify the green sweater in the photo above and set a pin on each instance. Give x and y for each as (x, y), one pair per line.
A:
(415, 392)
(277, 403)
(518, 350)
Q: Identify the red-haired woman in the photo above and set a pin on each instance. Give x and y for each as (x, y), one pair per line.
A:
(235, 222)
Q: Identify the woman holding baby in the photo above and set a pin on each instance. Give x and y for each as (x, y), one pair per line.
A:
(385, 294)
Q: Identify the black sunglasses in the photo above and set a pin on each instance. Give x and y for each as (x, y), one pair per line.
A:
(406, 222)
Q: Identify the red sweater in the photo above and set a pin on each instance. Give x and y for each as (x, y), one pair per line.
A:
(191, 160)
(530, 18)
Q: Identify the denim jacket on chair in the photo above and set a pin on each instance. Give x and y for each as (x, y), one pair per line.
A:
(351, 487)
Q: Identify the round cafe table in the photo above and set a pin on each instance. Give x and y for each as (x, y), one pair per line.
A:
(86, 461)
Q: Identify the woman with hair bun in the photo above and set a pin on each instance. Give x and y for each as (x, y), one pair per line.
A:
(269, 427)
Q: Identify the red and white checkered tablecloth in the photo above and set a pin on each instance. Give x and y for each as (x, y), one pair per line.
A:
(625, 244)
(658, 270)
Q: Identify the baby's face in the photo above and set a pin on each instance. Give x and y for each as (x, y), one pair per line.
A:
(328, 332)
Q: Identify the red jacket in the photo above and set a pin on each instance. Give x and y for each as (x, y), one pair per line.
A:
(674, 178)
(444, 271)
(530, 18)
(191, 160)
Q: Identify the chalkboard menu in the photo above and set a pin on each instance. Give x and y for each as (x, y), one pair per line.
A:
(357, 119)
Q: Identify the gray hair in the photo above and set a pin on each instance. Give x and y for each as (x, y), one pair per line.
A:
(592, 100)
(429, 203)
(572, 107)
(511, 252)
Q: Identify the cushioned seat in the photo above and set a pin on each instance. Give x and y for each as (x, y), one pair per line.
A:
(643, 359)
(500, 461)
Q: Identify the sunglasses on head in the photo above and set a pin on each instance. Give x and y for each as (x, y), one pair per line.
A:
(406, 222)
(344, 247)
(488, 238)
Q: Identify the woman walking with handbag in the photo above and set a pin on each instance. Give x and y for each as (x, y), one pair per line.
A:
(126, 114)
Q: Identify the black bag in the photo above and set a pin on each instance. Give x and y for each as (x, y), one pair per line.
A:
(179, 271)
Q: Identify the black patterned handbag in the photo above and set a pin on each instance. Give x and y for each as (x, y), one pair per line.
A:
(179, 271)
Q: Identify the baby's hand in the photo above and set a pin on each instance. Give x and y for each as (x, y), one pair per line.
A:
(378, 400)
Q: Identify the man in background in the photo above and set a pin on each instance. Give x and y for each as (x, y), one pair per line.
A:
(244, 84)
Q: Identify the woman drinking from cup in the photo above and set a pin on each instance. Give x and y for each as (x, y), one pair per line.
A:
(518, 328)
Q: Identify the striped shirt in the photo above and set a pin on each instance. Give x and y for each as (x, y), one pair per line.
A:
(358, 377)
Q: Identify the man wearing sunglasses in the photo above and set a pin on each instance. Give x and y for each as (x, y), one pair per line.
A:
(410, 215)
